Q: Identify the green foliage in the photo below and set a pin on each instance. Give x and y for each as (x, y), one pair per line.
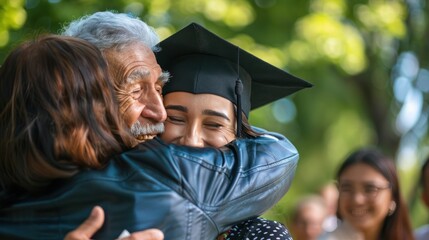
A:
(346, 48)
(12, 16)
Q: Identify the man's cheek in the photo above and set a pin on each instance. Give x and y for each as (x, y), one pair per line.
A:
(132, 113)
(125, 102)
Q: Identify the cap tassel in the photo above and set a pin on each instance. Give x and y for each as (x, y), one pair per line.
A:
(238, 91)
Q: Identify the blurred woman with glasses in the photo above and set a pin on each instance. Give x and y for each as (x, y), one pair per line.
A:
(370, 204)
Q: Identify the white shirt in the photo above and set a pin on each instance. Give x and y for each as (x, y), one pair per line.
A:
(422, 233)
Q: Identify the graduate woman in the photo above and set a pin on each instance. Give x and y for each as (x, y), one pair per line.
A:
(213, 87)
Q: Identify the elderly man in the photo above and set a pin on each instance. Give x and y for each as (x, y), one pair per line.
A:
(191, 209)
(128, 44)
(137, 76)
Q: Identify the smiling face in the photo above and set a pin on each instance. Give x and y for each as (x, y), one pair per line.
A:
(198, 120)
(139, 81)
(365, 197)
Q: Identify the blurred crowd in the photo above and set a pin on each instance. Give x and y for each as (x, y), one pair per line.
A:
(363, 202)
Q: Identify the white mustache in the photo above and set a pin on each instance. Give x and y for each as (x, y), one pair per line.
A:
(138, 129)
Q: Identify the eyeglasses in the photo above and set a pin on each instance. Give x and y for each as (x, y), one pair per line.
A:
(370, 191)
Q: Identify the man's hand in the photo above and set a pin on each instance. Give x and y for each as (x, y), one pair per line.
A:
(89, 227)
(95, 221)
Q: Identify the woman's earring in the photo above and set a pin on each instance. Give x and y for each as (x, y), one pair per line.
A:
(392, 208)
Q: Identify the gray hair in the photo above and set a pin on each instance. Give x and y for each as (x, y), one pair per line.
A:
(108, 30)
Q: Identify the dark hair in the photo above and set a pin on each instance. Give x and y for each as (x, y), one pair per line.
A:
(423, 183)
(58, 113)
(246, 129)
(395, 226)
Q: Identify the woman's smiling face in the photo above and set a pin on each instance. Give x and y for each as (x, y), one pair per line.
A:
(365, 197)
(198, 120)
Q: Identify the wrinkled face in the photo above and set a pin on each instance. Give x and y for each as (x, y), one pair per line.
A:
(198, 120)
(365, 197)
(139, 81)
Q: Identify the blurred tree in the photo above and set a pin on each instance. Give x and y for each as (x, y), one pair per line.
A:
(12, 16)
(367, 59)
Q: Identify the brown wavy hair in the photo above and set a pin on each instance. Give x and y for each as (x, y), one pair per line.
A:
(58, 113)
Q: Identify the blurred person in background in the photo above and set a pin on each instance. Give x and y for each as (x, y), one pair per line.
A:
(370, 203)
(308, 217)
(422, 233)
(329, 193)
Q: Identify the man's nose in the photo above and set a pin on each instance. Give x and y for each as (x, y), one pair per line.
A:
(154, 109)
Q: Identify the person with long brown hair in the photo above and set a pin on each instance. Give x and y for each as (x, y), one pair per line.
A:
(370, 203)
(56, 116)
(36, 101)
(422, 232)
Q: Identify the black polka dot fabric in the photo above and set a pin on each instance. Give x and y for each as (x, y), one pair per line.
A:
(258, 229)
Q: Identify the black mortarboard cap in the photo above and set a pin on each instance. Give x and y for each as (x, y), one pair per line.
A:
(201, 62)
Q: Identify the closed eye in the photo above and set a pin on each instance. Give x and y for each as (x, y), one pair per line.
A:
(214, 126)
(158, 89)
(136, 92)
(175, 119)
